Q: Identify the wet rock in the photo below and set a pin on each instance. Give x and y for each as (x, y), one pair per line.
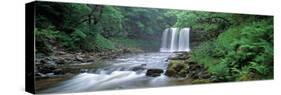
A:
(204, 75)
(170, 73)
(60, 61)
(40, 75)
(126, 50)
(83, 70)
(61, 52)
(181, 56)
(131, 50)
(46, 68)
(79, 58)
(47, 61)
(182, 66)
(58, 72)
(176, 68)
(50, 74)
(139, 68)
(154, 72)
(194, 67)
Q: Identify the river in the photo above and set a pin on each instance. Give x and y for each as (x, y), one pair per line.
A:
(125, 72)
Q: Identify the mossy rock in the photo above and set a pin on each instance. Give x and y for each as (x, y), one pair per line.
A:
(200, 81)
(176, 68)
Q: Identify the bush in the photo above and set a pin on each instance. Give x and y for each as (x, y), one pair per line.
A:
(252, 55)
(44, 38)
(103, 43)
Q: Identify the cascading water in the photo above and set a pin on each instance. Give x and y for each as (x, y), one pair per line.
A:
(184, 39)
(164, 43)
(174, 40)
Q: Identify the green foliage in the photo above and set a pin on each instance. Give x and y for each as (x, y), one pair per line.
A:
(141, 22)
(84, 27)
(44, 39)
(255, 49)
(103, 43)
(219, 69)
(206, 27)
(123, 42)
(245, 52)
(111, 21)
(229, 36)
(235, 47)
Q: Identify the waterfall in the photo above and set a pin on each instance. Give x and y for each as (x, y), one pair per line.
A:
(175, 40)
(184, 40)
(164, 40)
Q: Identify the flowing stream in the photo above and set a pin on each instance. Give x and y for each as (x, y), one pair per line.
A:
(129, 71)
(125, 72)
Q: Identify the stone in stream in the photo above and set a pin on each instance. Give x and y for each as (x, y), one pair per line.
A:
(139, 67)
(170, 73)
(40, 75)
(58, 72)
(83, 70)
(154, 72)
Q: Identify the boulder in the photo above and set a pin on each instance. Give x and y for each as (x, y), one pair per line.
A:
(60, 61)
(84, 70)
(58, 72)
(170, 73)
(61, 52)
(125, 50)
(154, 72)
(79, 58)
(50, 74)
(48, 68)
(47, 61)
(139, 67)
(40, 75)
(204, 75)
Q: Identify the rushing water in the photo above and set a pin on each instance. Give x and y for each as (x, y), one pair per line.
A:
(123, 73)
(174, 40)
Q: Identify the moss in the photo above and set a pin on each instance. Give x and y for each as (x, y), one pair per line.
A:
(177, 68)
(200, 81)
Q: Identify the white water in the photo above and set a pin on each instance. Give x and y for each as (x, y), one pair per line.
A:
(119, 75)
(184, 40)
(174, 40)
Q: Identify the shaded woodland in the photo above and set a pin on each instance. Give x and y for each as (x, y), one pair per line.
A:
(226, 47)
